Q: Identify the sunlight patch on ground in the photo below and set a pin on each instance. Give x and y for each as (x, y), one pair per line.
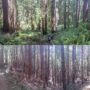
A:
(86, 87)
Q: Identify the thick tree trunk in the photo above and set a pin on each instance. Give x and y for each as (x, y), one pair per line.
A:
(9, 15)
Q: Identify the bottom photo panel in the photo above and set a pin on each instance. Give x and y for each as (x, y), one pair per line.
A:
(45, 67)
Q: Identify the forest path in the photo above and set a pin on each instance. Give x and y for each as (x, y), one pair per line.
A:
(3, 82)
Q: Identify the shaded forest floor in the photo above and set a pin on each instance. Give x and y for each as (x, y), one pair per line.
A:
(79, 35)
(8, 82)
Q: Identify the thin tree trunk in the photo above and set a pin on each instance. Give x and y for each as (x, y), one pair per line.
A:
(63, 68)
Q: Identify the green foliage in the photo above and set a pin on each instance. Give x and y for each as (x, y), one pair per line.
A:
(88, 26)
(28, 10)
(22, 37)
(80, 35)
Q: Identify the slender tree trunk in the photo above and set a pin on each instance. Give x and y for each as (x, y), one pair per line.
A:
(63, 68)
(44, 16)
(77, 15)
(88, 61)
(65, 22)
(82, 67)
(73, 61)
(89, 11)
(68, 65)
(85, 10)
(68, 20)
(53, 16)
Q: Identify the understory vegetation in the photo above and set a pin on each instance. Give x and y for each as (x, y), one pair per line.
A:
(79, 35)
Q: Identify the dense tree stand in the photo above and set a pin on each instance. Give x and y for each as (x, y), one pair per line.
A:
(46, 67)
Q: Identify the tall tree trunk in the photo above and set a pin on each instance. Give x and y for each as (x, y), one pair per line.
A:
(65, 22)
(88, 61)
(82, 67)
(68, 20)
(68, 65)
(89, 11)
(73, 62)
(63, 68)
(42, 61)
(85, 10)
(1, 55)
(44, 16)
(9, 15)
(53, 16)
(77, 13)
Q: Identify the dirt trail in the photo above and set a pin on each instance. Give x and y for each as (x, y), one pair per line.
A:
(3, 82)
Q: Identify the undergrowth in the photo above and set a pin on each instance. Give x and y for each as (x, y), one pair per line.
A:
(79, 35)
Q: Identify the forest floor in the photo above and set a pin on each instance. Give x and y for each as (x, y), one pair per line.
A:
(7, 82)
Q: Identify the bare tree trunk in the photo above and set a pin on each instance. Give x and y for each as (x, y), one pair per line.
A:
(82, 67)
(89, 11)
(44, 16)
(65, 22)
(68, 65)
(73, 61)
(85, 10)
(63, 68)
(53, 16)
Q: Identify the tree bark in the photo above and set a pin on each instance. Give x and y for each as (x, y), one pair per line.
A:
(53, 16)
(9, 16)
(85, 10)
(63, 68)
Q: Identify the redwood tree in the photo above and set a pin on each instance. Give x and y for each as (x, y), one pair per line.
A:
(9, 15)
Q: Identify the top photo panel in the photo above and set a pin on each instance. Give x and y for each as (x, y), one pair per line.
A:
(44, 22)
